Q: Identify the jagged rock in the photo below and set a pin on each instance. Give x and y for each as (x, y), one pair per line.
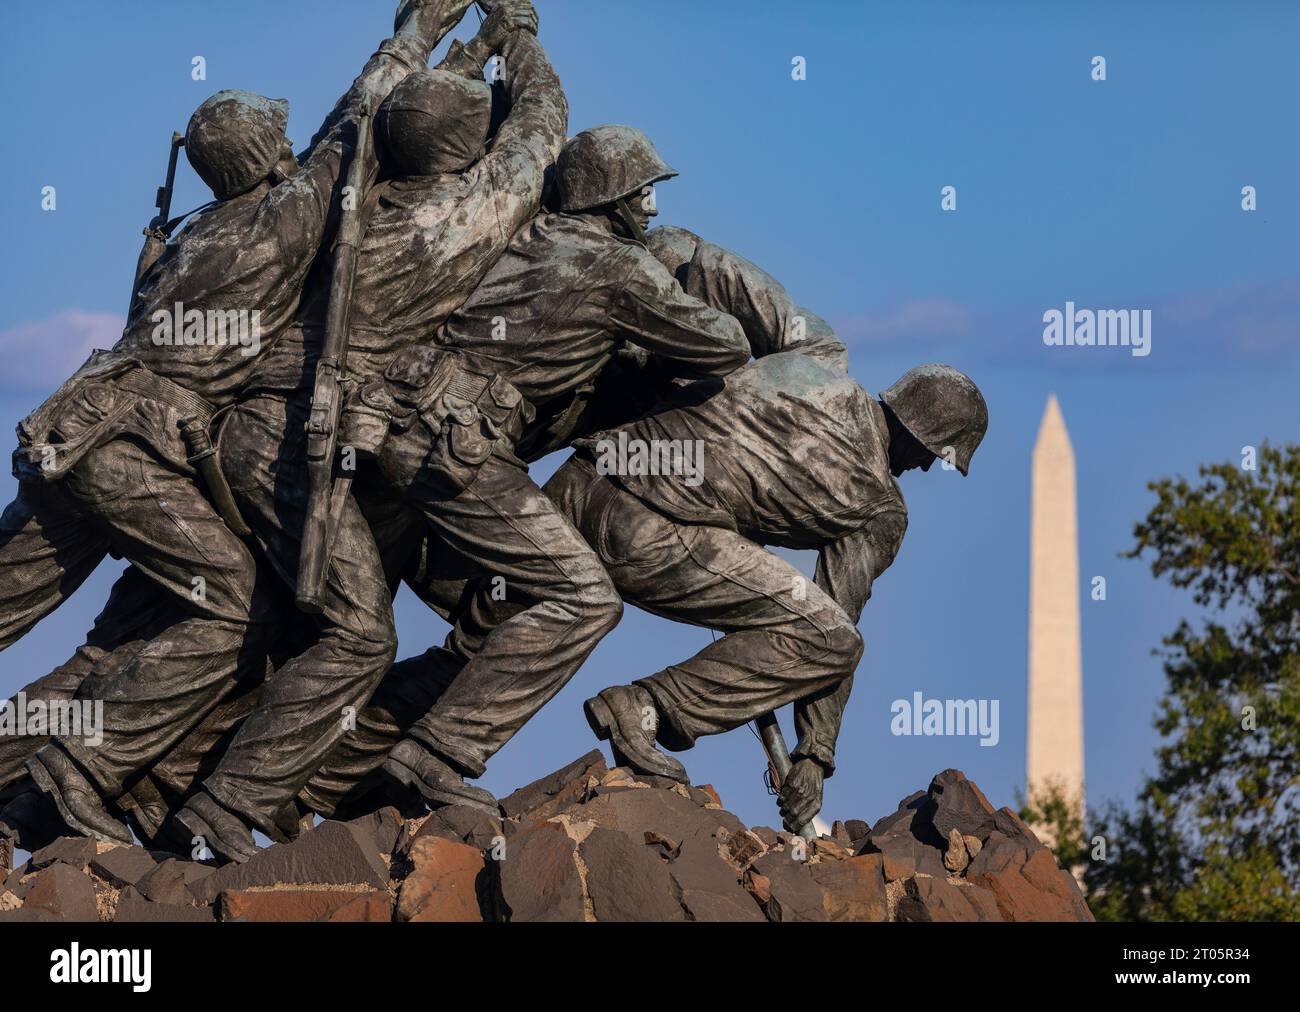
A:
(973, 845)
(667, 812)
(1027, 884)
(299, 905)
(908, 840)
(792, 893)
(627, 881)
(937, 899)
(712, 793)
(539, 879)
(857, 830)
(75, 851)
(445, 882)
(959, 805)
(853, 889)
(741, 848)
(134, 909)
(384, 826)
(26, 915)
(840, 834)
(173, 882)
(956, 858)
(334, 853)
(829, 849)
(708, 887)
(461, 824)
(64, 891)
(124, 866)
(768, 835)
(551, 795)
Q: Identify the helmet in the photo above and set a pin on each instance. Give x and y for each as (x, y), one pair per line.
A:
(234, 140)
(942, 408)
(605, 163)
(435, 122)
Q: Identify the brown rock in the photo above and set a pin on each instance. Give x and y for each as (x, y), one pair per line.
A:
(709, 888)
(634, 811)
(26, 915)
(444, 884)
(302, 905)
(384, 826)
(741, 848)
(76, 851)
(461, 824)
(852, 890)
(334, 853)
(793, 894)
(1027, 885)
(714, 797)
(123, 866)
(538, 880)
(767, 834)
(959, 804)
(897, 868)
(973, 845)
(627, 881)
(133, 909)
(553, 794)
(937, 899)
(857, 829)
(64, 891)
(173, 882)
(909, 835)
(956, 858)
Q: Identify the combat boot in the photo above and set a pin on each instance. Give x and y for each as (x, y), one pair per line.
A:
(618, 715)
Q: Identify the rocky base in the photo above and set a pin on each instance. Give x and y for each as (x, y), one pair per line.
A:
(587, 843)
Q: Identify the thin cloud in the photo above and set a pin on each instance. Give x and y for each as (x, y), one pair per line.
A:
(42, 354)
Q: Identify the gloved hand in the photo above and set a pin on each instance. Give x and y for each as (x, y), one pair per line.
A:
(801, 794)
(505, 17)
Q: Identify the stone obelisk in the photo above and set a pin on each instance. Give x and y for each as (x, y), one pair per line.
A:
(1055, 736)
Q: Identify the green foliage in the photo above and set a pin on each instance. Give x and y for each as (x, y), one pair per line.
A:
(1215, 833)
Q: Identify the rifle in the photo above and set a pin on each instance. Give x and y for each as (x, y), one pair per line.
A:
(158, 230)
(779, 756)
(328, 495)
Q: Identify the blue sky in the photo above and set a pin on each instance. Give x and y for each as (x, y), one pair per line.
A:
(1123, 193)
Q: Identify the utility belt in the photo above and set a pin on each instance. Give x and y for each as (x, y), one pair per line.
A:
(436, 386)
(96, 406)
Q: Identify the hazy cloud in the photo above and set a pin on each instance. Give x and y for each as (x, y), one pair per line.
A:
(41, 355)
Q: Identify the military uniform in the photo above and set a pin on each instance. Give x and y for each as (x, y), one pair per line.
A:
(103, 466)
(428, 242)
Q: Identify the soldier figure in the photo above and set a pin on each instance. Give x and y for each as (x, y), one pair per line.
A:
(103, 465)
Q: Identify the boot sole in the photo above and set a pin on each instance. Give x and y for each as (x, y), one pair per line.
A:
(601, 719)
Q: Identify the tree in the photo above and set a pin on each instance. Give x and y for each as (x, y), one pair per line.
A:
(1215, 833)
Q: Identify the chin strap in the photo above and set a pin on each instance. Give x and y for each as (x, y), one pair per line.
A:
(634, 229)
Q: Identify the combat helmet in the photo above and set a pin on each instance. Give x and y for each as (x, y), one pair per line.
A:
(435, 122)
(234, 140)
(605, 164)
(943, 409)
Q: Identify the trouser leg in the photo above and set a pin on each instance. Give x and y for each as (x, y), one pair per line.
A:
(784, 638)
(156, 516)
(136, 610)
(532, 557)
(47, 550)
(308, 705)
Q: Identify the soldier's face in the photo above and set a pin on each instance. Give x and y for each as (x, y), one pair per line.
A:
(644, 207)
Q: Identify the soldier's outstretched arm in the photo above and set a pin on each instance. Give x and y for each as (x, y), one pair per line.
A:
(730, 283)
(656, 314)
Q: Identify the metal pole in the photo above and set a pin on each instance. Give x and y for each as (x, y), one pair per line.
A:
(774, 743)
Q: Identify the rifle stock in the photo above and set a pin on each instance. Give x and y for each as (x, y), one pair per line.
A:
(326, 495)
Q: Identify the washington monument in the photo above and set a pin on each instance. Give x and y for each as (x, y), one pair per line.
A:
(1055, 735)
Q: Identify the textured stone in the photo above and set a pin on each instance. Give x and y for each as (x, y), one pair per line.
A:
(714, 797)
(133, 909)
(539, 878)
(741, 848)
(908, 835)
(173, 882)
(956, 857)
(857, 829)
(124, 866)
(553, 794)
(959, 805)
(461, 824)
(1027, 884)
(793, 894)
(303, 905)
(852, 890)
(627, 881)
(634, 811)
(937, 899)
(334, 853)
(444, 884)
(76, 851)
(64, 891)
(384, 826)
(708, 887)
